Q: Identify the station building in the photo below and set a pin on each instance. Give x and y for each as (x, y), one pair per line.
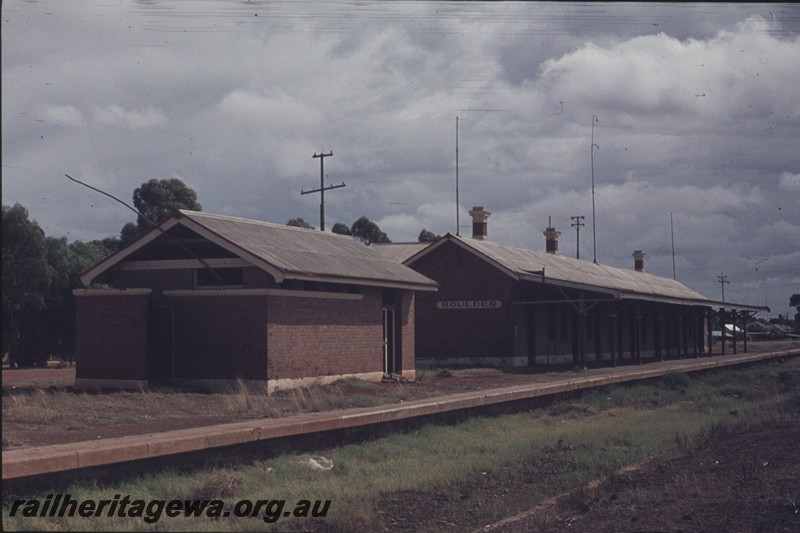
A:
(211, 298)
(501, 305)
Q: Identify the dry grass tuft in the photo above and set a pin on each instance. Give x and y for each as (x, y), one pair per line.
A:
(311, 399)
(359, 518)
(217, 487)
(249, 399)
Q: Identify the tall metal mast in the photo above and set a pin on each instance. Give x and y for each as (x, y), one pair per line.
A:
(594, 225)
(458, 226)
(672, 233)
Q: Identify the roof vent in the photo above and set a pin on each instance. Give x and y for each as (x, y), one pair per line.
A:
(638, 260)
(480, 216)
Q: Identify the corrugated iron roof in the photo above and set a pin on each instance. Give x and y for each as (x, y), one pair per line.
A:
(528, 264)
(399, 251)
(287, 252)
(303, 253)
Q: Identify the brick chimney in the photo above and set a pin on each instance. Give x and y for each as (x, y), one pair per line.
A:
(551, 236)
(480, 216)
(638, 260)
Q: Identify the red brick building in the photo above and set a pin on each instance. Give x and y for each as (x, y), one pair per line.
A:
(507, 306)
(208, 298)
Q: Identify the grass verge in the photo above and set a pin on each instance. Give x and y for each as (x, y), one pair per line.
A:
(462, 476)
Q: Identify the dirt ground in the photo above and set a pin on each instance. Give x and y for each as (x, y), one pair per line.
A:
(741, 480)
(38, 377)
(745, 479)
(117, 414)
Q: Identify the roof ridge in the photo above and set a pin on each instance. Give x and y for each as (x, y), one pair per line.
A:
(391, 243)
(190, 213)
(571, 260)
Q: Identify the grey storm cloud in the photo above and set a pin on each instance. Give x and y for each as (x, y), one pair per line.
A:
(697, 104)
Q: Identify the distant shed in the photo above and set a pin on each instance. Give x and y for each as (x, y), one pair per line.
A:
(214, 298)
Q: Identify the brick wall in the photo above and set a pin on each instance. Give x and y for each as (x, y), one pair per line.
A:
(252, 337)
(467, 333)
(220, 337)
(319, 337)
(111, 336)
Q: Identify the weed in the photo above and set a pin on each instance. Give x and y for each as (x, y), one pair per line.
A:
(719, 430)
(360, 518)
(578, 409)
(218, 486)
(682, 441)
(787, 379)
(311, 399)
(792, 403)
(580, 500)
(675, 380)
(477, 371)
(355, 384)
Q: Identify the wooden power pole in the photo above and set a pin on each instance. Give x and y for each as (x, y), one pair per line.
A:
(578, 224)
(322, 187)
(723, 280)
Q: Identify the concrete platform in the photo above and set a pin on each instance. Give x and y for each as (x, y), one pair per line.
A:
(76, 455)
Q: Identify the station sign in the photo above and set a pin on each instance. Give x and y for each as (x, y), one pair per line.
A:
(469, 304)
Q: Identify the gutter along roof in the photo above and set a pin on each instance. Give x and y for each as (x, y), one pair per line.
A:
(285, 252)
(543, 267)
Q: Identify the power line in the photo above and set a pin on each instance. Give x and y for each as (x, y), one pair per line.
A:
(153, 225)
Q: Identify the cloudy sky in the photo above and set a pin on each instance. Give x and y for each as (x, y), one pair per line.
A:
(697, 112)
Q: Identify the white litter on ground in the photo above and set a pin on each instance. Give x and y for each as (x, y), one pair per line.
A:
(316, 462)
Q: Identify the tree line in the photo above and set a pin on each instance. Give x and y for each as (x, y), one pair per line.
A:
(365, 230)
(40, 272)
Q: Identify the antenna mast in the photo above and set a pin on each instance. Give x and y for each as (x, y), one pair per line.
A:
(672, 232)
(457, 216)
(594, 225)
